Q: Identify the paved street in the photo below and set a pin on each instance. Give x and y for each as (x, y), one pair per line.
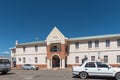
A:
(42, 75)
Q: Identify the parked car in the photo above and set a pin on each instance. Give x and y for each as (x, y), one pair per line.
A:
(99, 69)
(29, 67)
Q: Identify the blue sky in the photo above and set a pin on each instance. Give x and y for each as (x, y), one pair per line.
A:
(23, 20)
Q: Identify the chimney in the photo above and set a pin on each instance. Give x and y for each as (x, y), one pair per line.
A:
(16, 42)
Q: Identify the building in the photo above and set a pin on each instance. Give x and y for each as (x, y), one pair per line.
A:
(62, 52)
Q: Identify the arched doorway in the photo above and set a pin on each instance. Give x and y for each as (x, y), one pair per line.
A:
(55, 61)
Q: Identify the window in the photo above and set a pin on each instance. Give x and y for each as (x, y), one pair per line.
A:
(19, 59)
(4, 61)
(118, 58)
(118, 42)
(36, 59)
(106, 59)
(13, 51)
(101, 65)
(92, 58)
(76, 45)
(89, 44)
(23, 59)
(45, 59)
(107, 43)
(90, 64)
(55, 47)
(77, 59)
(24, 48)
(97, 43)
(36, 48)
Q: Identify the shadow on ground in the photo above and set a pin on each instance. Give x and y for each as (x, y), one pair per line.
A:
(7, 74)
(102, 78)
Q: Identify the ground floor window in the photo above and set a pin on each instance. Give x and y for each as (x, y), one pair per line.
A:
(45, 59)
(92, 58)
(36, 59)
(77, 59)
(23, 59)
(106, 59)
(118, 58)
(19, 59)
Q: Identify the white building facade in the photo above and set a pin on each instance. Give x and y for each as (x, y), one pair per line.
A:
(62, 52)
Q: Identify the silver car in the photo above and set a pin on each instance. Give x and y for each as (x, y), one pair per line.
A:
(29, 67)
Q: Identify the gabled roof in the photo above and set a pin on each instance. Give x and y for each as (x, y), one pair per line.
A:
(55, 32)
(35, 42)
(94, 37)
(76, 39)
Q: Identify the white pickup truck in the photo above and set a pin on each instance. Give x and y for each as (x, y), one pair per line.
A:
(96, 69)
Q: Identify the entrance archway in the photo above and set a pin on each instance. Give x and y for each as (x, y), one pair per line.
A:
(55, 61)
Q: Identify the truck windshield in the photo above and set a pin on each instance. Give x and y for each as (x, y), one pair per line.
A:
(4, 61)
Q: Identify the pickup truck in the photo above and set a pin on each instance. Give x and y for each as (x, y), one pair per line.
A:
(5, 65)
(97, 69)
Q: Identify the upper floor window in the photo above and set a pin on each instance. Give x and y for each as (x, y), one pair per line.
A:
(24, 48)
(13, 51)
(118, 42)
(36, 48)
(56, 47)
(89, 44)
(96, 43)
(76, 45)
(107, 43)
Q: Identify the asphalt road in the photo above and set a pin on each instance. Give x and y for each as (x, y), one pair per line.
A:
(43, 75)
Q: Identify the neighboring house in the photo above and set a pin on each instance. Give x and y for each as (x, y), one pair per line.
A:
(59, 51)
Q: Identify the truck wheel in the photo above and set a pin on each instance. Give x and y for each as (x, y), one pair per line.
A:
(83, 75)
(117, 76)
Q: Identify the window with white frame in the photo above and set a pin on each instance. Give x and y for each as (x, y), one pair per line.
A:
(92, 58)
(24, 48)
(97, 43)
(19, 59)
(23, 59)
(106, 59)
(76, 45)
(118, 42)
(36, 48)
(45, 59)
(107, 43)
(36, 60)
(77, 59)
(89, 44)
(118, 58)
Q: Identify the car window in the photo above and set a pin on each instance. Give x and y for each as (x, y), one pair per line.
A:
(27, 65)
(90, 64)
(102, 65)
